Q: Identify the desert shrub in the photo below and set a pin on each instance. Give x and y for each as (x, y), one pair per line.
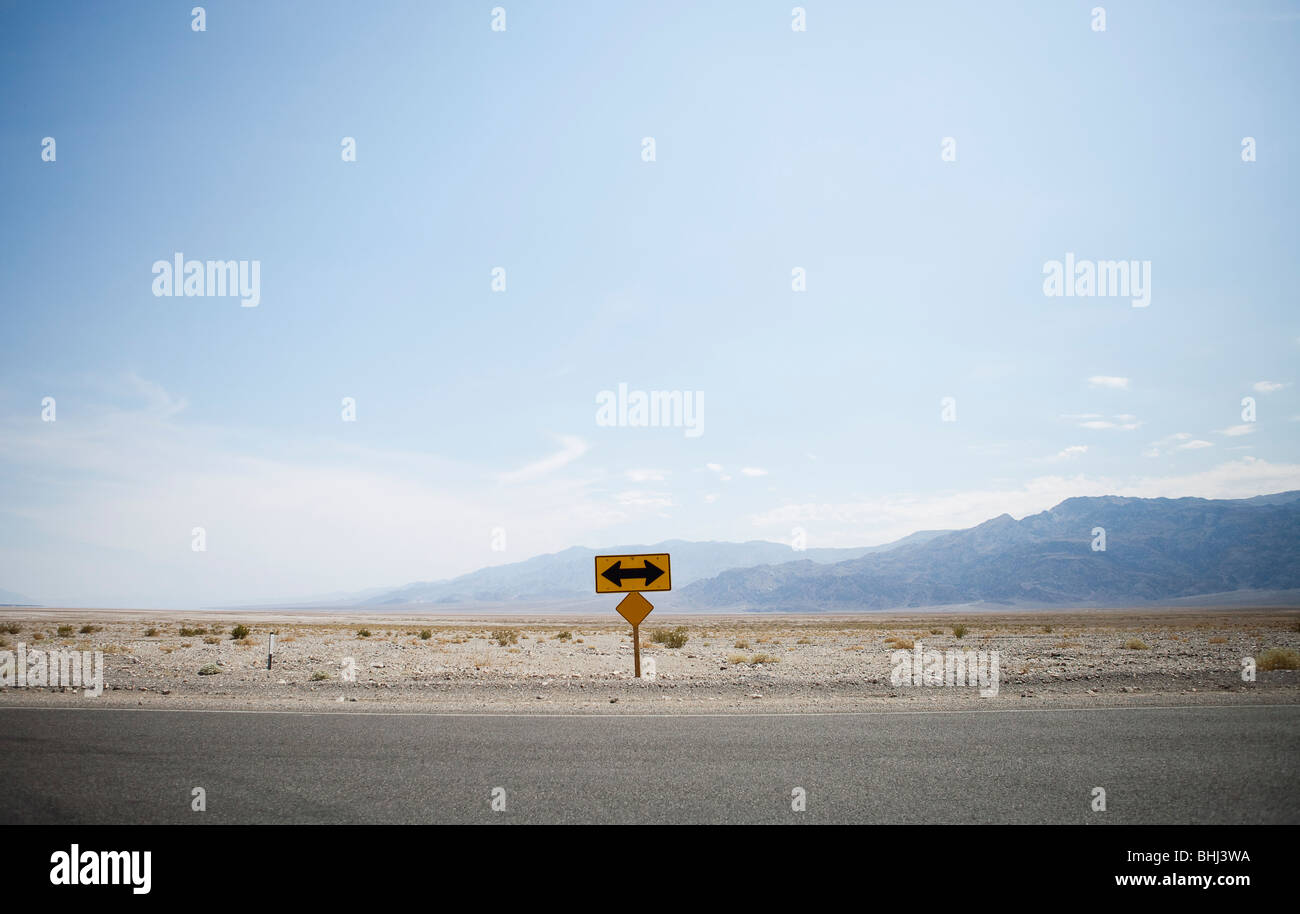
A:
(192, 632)
(764, 658)
(1136, 644)
(504, 636)
(1218, 639)
(151, 633)
(65, 631)
(741, 645)
(89, 629)
(672, 637)
(564, 636)
(319, 676)
(12, 628)
(211, 639)
(210, 669)
(426, 634)
(363, 633)
(1278, 658)
(905, 644)
(959, 631)
(38, 636)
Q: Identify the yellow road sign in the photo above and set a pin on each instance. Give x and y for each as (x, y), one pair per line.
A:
(634, 608)
(624, 573)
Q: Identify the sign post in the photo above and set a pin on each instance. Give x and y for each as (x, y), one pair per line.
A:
(631, 574)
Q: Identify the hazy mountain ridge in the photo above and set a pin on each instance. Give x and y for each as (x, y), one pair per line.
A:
(1156, 549)
(570, 574)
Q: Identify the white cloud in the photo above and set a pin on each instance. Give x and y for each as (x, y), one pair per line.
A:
(1109, 381)
(1168, 442)
(647, 475)
(1125, 425)
(1073, 450)
(572, 447)
(715, 467)
(1234, 431)
(1268, 387)
(753, 471)
(639, 499)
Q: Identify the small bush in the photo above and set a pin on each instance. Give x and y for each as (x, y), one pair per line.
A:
(319, 676)
(151, 633)
(210, 669)
(1218, 639)
(672, 637)
(1278, 658)
(12, 628)
(764, 658)
(192, 632)
(1136, 644)
(363, 633)
(89, 629)
(564, 636)
(65, 631)
(504, 636)
(741, 645)
(959, 631)
(426, 634)
(737, 658)
(239, 632)
(211, 639)
(38, 636)
(905, 644)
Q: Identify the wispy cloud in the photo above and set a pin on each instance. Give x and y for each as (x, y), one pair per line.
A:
(1073, 450)
(644, 475)
(1108, 381)
(1123, 423)
(572, 447)
(1268, 387)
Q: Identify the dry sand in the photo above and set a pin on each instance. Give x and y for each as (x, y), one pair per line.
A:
(729, 664)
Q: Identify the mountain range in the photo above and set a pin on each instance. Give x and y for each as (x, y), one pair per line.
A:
(1095, 551)
(569, 574)
(1102, 551)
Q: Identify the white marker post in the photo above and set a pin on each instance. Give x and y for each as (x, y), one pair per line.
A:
(270, 651)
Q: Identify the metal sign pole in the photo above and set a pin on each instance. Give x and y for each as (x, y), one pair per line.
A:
(636, 648)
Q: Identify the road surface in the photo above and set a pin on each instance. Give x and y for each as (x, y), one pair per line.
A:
(1157, 765)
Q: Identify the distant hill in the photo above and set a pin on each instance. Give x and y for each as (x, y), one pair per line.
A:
(570, 574)
(9, 598)
(1157, 549)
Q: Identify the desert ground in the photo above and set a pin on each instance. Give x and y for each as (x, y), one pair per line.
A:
(726, 663)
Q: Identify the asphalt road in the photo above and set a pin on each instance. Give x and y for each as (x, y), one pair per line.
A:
(1157, 765)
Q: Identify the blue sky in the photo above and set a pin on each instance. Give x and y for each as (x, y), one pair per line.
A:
(522, 149)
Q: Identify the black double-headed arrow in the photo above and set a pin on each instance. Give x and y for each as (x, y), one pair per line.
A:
(616, 574)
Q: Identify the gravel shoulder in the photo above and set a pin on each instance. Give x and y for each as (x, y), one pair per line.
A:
(728, 664)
